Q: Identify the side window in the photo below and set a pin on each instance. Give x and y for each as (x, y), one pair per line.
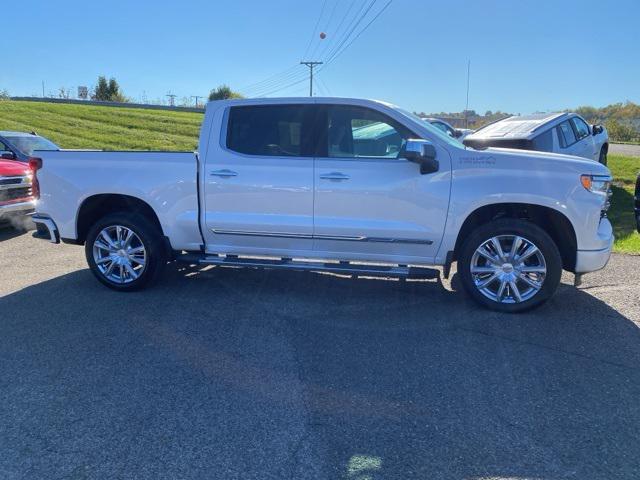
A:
(582, 129)
(360, 132)
(444, 127)
(269, 130)
(566, 134)
(543, 142)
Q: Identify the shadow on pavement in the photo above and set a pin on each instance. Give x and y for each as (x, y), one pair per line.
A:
(262, 374)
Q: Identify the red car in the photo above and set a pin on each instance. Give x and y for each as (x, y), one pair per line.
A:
(16, 191)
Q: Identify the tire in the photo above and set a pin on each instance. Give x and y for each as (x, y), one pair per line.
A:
(125, 267)
(532, 287)
(603, 155)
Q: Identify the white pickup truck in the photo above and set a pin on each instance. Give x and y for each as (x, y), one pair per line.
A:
(308, 184)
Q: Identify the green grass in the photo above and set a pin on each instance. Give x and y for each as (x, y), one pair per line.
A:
(624, 170)
(105, 128)
(113, 128)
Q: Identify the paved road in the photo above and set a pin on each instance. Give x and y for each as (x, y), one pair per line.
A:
(230, 374)
(622, 149)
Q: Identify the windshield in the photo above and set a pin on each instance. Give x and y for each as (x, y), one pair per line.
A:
(27, 145)
(432, 129)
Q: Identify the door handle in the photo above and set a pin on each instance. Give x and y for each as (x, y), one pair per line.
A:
(224, 173)
(334, 176)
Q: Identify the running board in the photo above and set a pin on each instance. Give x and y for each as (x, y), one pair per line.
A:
(311, 266)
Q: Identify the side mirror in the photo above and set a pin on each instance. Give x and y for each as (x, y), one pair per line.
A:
(597, 129)
(8, 156)
(423, 153)
(457, 133)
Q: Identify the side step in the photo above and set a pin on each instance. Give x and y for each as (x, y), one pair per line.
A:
(311, 266)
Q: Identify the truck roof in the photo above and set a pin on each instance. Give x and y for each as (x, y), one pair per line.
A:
(523, 127)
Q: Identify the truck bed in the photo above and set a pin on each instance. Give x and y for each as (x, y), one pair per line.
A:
(166, 181)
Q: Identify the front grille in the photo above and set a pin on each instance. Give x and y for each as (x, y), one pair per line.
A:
(11, 194)
(11, 180)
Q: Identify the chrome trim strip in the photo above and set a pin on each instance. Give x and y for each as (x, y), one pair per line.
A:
(54, 236)
(322, 237)
(260, 234)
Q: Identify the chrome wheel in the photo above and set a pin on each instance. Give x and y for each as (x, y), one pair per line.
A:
(508, 269)
(119, 254)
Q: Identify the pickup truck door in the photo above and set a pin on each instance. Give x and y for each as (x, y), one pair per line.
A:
(585, 146)
(258, 181)
(369, 203)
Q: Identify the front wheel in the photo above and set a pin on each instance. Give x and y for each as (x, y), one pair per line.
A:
(510, 265)
(124, 251)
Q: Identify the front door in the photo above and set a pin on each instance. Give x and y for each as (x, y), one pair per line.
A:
(258, 182)
(369, 203)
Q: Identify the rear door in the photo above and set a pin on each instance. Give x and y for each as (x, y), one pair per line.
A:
(258, 181)
(369, 203)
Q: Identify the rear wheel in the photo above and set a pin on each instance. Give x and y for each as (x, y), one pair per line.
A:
(124, 251)
(510, 265)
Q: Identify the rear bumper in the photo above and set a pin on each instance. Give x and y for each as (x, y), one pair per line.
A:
(592, 260)
(47, 229)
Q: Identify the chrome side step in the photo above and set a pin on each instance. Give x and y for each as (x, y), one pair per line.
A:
(312, 266)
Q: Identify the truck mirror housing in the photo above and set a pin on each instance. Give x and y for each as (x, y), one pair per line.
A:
(423, 153)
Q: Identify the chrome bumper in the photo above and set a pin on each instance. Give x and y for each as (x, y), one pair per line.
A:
(17, 207)
(592, 260)
(45, 224)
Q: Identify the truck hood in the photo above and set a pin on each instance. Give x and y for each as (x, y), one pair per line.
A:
(579, 163)
(10, 168)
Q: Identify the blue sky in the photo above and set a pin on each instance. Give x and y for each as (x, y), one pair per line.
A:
(525, 56)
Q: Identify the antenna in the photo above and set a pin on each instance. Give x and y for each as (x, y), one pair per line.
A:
(466, 107)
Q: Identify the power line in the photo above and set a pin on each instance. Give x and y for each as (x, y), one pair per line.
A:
(355, 21)
(360, 33)
(269, 79)
(333, 11)
(283, 88)
(315, 29)
(267, 87)
(338, 30)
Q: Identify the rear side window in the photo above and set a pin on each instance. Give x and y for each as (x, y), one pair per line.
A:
(543, 142)
(582, 130)
(270, 130)
(566, 135)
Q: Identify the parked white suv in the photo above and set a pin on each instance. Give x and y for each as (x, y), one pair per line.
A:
(308, 184)
(566, 133)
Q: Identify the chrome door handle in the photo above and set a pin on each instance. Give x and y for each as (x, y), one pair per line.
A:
(224, 173)
(334, 176)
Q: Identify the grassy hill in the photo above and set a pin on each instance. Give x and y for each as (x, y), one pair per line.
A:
(106, 128)
(113, 128)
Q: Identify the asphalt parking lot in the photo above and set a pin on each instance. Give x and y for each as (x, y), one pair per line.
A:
(225, 373)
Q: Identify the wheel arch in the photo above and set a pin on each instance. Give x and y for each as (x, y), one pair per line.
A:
(555, 223)
(97, 206)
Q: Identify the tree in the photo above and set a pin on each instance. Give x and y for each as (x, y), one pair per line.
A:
(108, 91)
(223, 92)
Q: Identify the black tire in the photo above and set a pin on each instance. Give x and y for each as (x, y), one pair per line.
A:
(530, 232)
(149, 235)
(603, 155)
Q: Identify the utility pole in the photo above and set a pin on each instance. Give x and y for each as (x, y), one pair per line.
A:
(311, 65)
(172, 99)
(466, 107)
(197, 97)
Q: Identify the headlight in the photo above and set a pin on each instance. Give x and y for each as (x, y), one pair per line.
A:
(596, 183)
(600, 185)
